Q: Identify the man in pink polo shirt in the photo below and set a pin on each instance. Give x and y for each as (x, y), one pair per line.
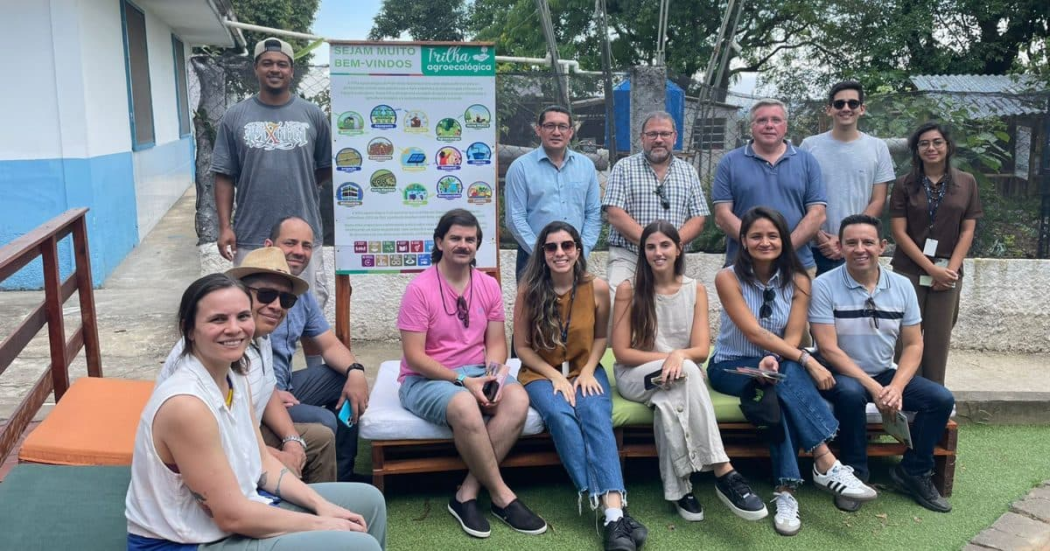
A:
(451, 323)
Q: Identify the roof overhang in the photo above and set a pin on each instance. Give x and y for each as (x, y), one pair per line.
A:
(197, 22)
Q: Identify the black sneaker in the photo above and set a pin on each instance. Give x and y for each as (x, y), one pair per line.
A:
(846, 504)
(470, 517)
(638, 530)
(618, 536)
(735, 492)
(520, 518)
(689, 508)
(921, 488)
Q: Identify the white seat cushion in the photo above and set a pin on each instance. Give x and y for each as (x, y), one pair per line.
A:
(385, 419)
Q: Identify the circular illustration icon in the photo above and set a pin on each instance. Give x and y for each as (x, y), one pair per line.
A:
(415, 195)
(348, 160)
(383, 116)
(479, 193)
(449, 158)
(449, 130)
(477, 116)
(350, 123)
(383, 181)
(479, 154)
(380, 149)
(413, 159)
(450, 187)
(416, 123)
(349, 195)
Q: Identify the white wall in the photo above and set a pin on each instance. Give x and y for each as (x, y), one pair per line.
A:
(30, 93)
(105, 86)
(162, 80)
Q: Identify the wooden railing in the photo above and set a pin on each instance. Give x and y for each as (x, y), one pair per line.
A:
(43, 242)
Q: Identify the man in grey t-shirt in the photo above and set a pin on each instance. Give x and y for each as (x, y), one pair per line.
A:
(856, 168)
(275, 150)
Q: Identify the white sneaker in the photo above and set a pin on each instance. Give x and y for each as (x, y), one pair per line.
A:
(839, 480)
(786, 521)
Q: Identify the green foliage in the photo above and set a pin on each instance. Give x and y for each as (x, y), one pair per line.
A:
(430, 20)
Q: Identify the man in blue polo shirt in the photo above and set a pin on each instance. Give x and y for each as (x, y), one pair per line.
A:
(857, 313)
(770, 172)
(552, 183)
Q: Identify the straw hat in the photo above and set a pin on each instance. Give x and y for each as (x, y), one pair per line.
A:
(268, 260)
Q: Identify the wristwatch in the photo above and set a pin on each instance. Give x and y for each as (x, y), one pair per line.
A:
(459, 379)
(354, 366)
(294, 438)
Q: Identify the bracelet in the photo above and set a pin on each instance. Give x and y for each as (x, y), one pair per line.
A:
(354, 366)
(803, 359)
(294, 438)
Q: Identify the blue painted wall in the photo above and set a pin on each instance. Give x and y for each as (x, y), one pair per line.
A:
(34, 191)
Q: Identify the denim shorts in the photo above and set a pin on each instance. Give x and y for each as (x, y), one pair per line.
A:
(429, 398)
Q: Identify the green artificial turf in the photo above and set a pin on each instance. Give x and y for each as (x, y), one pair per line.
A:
(997, 465)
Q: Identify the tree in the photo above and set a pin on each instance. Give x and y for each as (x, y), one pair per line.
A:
(430, 20)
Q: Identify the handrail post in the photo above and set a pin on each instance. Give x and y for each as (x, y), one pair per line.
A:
(56, 333)
(85, 292)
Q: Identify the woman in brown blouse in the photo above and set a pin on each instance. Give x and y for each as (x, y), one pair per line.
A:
(560, 320)
(933, 213)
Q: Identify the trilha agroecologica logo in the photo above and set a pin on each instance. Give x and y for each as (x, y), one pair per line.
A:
(458, 61)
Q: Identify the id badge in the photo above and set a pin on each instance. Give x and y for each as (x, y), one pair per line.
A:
(930, 249)
(565, 369)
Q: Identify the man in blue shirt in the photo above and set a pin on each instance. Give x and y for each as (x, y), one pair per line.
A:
(858, 312)
(314, 394)
(770, 172)
(552, 183)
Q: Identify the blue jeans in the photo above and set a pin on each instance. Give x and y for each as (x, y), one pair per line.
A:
(806, 419)
(931, 402)
(825, 264)
(318, 390)
(519, 263)
(583, 436)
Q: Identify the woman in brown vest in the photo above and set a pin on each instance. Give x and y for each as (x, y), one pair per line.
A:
(560, 320)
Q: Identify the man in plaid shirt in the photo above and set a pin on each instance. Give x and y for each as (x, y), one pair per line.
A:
(647, 186)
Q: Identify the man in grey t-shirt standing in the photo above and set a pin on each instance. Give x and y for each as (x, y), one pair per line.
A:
(275, 150)
(856, 168)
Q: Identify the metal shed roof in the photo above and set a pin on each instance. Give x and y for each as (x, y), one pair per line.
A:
(988, 95)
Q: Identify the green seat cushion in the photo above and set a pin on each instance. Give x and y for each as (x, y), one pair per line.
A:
(626, 412)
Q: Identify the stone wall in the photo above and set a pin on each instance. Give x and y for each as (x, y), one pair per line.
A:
(1005, 303)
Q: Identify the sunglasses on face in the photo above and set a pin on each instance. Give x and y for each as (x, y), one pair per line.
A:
(869, 309)
(266, 296)
(767, 303)
(840, 103)
(566, 246)
(462, 313)
(661, 192)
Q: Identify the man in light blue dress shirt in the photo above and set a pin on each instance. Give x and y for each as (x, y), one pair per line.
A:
(552, 183)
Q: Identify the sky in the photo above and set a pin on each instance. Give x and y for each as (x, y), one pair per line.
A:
(352, 20)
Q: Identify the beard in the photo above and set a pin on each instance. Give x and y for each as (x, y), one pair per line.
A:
(657, 155)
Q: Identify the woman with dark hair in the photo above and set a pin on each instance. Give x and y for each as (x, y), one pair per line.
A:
(560, 319)
(765, 300)
(933, 215)
(200, 472)
(660, 337)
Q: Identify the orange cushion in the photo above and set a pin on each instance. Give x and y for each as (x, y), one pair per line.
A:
(93, 424)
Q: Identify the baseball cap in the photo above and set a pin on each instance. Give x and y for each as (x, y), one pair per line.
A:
(274, 44)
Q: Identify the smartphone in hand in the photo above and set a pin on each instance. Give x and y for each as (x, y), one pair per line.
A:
(492, 388)
(346, 414)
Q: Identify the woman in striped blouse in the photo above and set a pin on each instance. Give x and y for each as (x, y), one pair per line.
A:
(765, 299)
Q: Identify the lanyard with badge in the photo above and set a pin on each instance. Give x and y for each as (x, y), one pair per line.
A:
(933, 204)
(565, 333)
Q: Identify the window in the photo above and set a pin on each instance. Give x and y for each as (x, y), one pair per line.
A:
(709, 133)
(136, 63)
(180, 85)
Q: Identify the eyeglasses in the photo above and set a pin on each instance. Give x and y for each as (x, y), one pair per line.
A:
(551, 127)
(566, 246)
(767, 303)
(661, 192)
(840, 103)
(266, 296)
(653, 135)
(938, 143)
(461, 312)
(870, 309)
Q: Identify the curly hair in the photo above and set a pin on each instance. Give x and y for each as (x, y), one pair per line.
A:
(540, 306)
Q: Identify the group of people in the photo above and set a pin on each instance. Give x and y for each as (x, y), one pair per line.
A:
(236, 451)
